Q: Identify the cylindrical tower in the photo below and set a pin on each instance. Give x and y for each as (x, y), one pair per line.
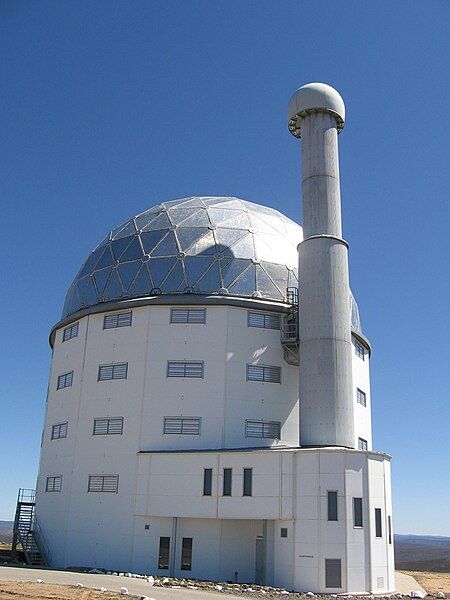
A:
(316, 114)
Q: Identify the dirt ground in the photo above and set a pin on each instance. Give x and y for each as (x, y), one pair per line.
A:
(432, 582)
(11, 590)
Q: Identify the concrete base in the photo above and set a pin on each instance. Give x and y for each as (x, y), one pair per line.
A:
(405, 584)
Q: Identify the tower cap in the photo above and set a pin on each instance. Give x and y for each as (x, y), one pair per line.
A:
(314, 97)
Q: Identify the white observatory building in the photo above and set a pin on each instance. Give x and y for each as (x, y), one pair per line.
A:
(208, 410)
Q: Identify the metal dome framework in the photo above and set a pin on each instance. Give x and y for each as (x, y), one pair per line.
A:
(199, 245)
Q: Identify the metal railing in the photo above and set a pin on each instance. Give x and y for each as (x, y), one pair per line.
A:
(289, 331)
(26, 495)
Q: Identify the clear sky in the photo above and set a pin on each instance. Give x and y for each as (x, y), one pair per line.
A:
(109, 107)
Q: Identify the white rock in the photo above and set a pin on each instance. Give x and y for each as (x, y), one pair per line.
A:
(249, 590)
(80, 585)
(109, 572)
(192, 587)
(165, 581)
(440, 595)
(399, 596)
(124, 591)
(311, 594)
(218, 588)
(176, 587)
(417, 594)
(114, 573)
(39, 581)
(151, 580)
(284, 592)
(103, 589)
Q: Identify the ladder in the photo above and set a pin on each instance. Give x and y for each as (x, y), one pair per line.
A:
(289, 329)
(25, 529)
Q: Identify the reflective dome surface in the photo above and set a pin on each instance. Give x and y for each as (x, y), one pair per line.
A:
(207, 245)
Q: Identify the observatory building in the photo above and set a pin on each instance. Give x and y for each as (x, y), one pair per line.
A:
(208, 410)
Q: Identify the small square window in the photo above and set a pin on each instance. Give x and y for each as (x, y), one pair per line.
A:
(283, 532)
(359, 350)
(361, 397)
(147, 527)
(362, 444)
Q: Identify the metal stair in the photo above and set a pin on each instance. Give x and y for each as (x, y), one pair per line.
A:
(25, 530)
(289, 329)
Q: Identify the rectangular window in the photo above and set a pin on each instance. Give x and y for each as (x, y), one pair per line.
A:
(182, 425)
(378, 525)
(357, 512)
(194, 316)
(164, 550)
(248, 476)
(59, 431)
(283, 532)
(227, 475)
(359, 350)
(70, 332)
(362, 444)
(207, 482)
(108, 426)
(332, 502)
(263, 429)
(389, 530)
(117, 320)
(333, 573)
(186, 554)
(177, 368)
(108, 372)
(263, 320)
(53, 484)
(263, 373)
(360, 397)
(103, 483)
(65, 380)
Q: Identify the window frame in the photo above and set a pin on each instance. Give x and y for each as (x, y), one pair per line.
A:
(378, 523)
(332, 494)
(190, 315)
(358, 500)
(53, 479)
(186, 547)
(108, 424)
(122, 319)
(264, 424)
(247, 482)
(54, 429)
(182, 419)
(103, 477)
(264, 369)
(360, 351)
(327, 574)
(265, 320)
(362, 444)
(283, 532)
(185, 375)
(207, 481)
(113, 366)
(63, 379)
(162, 557)
(69, 331)
(361, 397)
(227, 483)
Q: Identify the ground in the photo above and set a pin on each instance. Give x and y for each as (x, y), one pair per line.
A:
(432, 582)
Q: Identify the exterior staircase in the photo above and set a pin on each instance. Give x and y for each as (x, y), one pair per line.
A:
(289, 329)
(26, 531)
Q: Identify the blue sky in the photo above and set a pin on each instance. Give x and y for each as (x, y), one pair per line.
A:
(109, 107)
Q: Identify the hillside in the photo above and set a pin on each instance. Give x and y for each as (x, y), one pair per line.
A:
(422, 553)
(6, 531)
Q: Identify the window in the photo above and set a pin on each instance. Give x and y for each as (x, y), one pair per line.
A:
(332, 501)
(164, 549)
(182, 425)
(360, 397)
(359, 350)
(263, 429)
(108, 426)
(362, 444)
(378, 526)
(117, 371)
(103, 483)
(53, 484)
(207, 482)
(117, 320)
(333, 573)
(70, 332)
(248, 476)
(227, 474)
(176, 368)
(186, 554)
(59, 431)
(262, 373)
(357, 512)
(263, 320)
(283, 532)
(195, 316)
(389, 530)
(65, 380)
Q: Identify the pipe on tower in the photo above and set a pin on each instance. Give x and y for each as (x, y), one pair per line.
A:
(316, 115)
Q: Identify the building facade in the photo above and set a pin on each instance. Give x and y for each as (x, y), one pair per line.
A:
(171, 442)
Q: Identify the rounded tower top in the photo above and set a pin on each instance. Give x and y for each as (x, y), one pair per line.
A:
(314, 97)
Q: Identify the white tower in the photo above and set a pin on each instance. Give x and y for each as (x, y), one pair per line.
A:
(316, 113)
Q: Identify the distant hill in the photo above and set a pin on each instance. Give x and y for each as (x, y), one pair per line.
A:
(422, 553)
(6, 531)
